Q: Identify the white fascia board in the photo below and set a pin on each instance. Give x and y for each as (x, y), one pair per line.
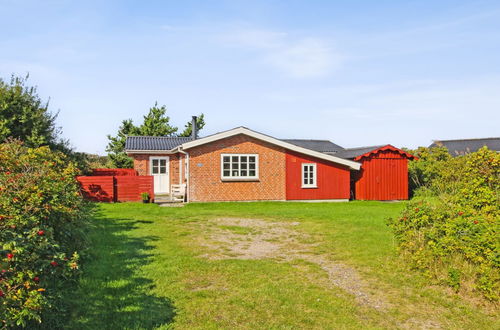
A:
(259, 136)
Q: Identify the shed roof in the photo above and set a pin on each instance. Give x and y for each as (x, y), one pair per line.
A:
(464, 146)
(153, 143)
(352, 153)
(358, 153)
(325, 146)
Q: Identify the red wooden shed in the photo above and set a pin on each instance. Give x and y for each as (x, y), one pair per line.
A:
(383, 174)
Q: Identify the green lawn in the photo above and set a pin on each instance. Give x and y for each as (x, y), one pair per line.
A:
(257, 265)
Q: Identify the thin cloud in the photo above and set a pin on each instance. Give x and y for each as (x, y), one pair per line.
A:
(298, 58)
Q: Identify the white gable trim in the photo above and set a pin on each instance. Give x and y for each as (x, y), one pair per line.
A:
(259, 136)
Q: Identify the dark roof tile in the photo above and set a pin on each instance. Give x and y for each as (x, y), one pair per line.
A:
(154, 142)
(352, 153)
(324, 146)
(464, 146)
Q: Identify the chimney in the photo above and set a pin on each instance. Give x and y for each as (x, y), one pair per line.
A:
(194, 129)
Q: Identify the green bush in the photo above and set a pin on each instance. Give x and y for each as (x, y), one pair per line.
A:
(42, 222)
(453, 237)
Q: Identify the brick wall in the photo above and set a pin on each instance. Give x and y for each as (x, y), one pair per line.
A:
(141, 165)
(205, 182)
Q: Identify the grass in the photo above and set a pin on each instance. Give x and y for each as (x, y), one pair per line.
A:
(148, 268)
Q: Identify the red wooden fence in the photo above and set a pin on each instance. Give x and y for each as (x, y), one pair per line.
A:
(98, 188)
(114, 172)
(120, 188)
(129, 188)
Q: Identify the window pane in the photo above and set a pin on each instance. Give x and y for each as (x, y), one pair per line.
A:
(243, 159)
(163, 162)
(226, 159)
(243, 166)
(226, 173)
(243, 173)
(234, 159)
(235, 173)
(155, 169)
(251, 159)
(227, 166)
(235, 166)
(252, 166)
(155, 162)
(251, 173)
(163, 169)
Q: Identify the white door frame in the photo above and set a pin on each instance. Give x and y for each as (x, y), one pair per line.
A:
(161, 180)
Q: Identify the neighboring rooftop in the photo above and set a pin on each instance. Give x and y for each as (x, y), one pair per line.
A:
(352, 153)
(154, 142)
(464, 146)
(324, 146)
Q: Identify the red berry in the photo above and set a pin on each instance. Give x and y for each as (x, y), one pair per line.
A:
(36, 279)
(1, 293)
(460, 213)
(54, 263)
(10, 256)
(476, 222)
(417, 209)
(41, 232)
(8, 173)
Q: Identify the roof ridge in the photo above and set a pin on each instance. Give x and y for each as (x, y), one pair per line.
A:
(375, 146)
(306, 140)
(472, 139)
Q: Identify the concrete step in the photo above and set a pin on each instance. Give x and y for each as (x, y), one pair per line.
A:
(164, 199)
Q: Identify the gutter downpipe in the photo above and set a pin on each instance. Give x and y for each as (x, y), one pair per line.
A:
(179, 149)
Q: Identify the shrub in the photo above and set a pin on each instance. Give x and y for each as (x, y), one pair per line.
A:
(42, 221)
(453, 237)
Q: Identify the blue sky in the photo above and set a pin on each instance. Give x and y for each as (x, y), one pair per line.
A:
(355, 72)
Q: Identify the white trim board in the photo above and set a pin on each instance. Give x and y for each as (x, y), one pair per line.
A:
(259, 136)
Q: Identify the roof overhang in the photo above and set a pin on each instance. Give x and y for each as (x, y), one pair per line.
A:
(266, 138)
(384, 148)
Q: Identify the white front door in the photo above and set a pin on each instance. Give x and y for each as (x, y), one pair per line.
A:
(159, 169)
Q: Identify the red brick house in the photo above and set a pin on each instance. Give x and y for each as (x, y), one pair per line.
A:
(242, 165)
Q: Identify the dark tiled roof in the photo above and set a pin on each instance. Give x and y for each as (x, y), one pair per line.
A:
(461, 147)
(324, 146)
(352, 153)
(154, 142)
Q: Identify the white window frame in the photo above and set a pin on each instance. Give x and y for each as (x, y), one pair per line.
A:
(167, 165)
(239, 178)
(314, 183)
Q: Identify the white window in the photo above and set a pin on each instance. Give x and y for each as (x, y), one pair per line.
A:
(309, 176)
(239, 166)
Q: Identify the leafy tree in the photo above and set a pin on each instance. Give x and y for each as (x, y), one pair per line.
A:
(116, 146)
(427, 167)
(156, 123)
(23, 115)
(188, 128)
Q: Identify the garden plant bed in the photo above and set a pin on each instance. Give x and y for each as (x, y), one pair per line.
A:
(258, 265)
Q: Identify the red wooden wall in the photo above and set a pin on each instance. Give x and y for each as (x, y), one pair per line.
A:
(383, 176)
(332, 179)
(120, 188)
